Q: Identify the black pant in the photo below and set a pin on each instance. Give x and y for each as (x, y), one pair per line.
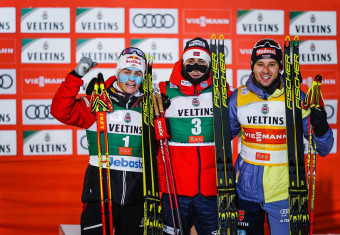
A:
(126, 219)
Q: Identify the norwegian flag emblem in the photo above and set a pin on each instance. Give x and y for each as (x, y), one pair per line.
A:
(196, 53)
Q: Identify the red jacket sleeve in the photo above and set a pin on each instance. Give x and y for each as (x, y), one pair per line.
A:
(68, 109)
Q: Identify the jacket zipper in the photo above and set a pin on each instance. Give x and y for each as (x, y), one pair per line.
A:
(199, 170)
(122, 201)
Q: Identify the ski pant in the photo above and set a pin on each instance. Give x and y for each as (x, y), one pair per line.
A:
(252, 216)
(199, 210)
(128, 219)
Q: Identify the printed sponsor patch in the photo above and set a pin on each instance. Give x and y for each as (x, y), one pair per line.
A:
(262, 156)
(244, 91)
(196, 139)
(125, 151)
(185, 83)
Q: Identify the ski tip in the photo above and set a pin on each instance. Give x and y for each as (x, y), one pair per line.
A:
(287, 41)
(213, 36)
(296, 40)
(221, 36)
(150, 60)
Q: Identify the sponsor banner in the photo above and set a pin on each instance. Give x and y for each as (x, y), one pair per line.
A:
(8, 143)
(8, 81)
(260, 22)
(242, 76)
(94, 73)
(318, 52)
(7, 51)
(100, 20)
(37, 112)
(163, 50)
(45, 20)
(229, 75)
(331, 107)
(312, 23)
(101, 50)
(46, 51)
(335, 146)
(329, 81)
(42, 81)
(48, 142)
(244, 50)
(209, 21)
(227, 48)
(160, 75)
(8, 112)
(7, 20)
(152, 20)
(82, 145)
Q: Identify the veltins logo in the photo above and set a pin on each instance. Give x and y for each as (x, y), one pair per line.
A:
(37, 112)
(45, 20)
(100, 20)
(102, 50)
(313, 23)
(8, 143)
(260, 22)
(207, 22)
(146, 21)
(8, 112)
(7, 81)
(42, 81)
(163, 50)
(46, 51)
(7, 20)
(48, 142)
(318, 52)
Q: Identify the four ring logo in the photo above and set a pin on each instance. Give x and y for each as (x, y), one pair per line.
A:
(6, 81)
(83, 142)
(329, 110)
(38, 112)
(154, 21)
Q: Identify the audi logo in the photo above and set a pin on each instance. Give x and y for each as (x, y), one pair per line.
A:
(153, 21)
(83, 142)
(38, 112)
(6, 81)
(244, 79)
(329, 110)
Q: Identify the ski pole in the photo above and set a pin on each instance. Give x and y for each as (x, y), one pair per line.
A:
(165, 166)
(168, 158)
(101, 104)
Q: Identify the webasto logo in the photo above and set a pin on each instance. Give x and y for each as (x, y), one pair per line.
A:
(260, 22)
(46, 50)
(45, 20)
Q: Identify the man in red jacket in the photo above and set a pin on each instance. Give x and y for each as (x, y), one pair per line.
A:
(188, 95)
(124, 139)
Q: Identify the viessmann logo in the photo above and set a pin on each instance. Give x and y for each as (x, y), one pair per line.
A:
(209, 21)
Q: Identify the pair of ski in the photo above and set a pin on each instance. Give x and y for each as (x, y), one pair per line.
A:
(226, 188)
(153, 224)
(298, 192)
(153, 114)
